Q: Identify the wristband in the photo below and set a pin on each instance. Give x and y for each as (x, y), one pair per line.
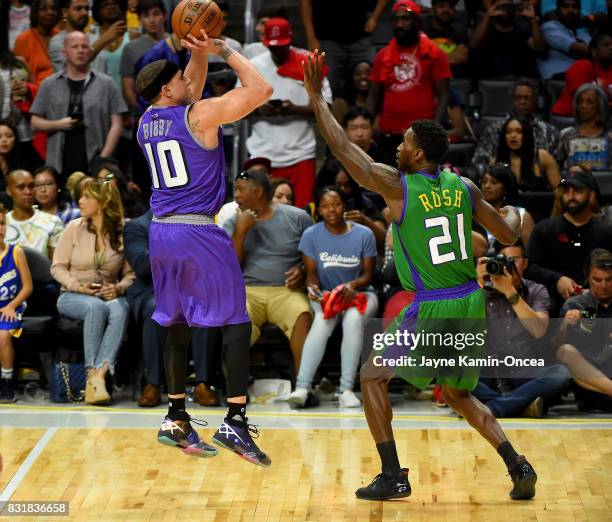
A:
(513, 299)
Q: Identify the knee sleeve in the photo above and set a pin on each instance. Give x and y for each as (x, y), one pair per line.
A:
(236, 343)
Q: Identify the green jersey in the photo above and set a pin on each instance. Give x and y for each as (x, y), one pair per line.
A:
(433, 240)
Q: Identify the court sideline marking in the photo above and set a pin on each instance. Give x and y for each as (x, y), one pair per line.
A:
(13, 484)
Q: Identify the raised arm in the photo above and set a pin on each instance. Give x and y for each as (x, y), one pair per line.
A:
(505, 225)
(236, 104)
(374, 176)
(197, 68)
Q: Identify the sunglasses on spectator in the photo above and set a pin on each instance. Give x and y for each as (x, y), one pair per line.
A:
(245, 175)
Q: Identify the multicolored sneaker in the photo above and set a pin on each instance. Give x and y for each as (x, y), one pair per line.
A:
(180, 434)
(236, 436)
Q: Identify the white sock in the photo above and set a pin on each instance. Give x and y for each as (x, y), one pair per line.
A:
(7, 373)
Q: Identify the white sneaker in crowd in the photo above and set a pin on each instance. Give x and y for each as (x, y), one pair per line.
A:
(298, 398)
(348, 399)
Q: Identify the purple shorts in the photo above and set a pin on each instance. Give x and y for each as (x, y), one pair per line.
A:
(196, 276)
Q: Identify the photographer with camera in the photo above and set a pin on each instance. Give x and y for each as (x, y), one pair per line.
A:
(507, 40)
(585, 335)
(508, 295)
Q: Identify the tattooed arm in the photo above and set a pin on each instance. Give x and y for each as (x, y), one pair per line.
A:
(374, 176)
(206, 115)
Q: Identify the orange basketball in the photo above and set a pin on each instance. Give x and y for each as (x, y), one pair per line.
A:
(191, 15)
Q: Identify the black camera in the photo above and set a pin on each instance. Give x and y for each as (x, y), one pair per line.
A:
(495, 265)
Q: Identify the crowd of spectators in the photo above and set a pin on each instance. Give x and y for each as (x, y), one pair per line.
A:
(315, 247)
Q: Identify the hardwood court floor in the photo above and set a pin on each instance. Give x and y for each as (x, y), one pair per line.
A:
(124, 474)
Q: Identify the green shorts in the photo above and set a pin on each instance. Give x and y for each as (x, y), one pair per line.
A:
(452, 330)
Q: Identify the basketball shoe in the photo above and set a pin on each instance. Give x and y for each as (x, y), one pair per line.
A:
(179, 433)
(524, 479)
(236, 436)
(385, 487)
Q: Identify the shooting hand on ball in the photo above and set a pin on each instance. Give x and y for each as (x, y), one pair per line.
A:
(202, 46)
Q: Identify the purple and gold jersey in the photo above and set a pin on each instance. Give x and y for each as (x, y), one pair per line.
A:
(187, 177)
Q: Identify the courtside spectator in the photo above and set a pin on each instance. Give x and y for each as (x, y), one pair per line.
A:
(340, 259)
(152, 15)
(80, 110)
(282, 192)
(566, 40)
(26, 225)
(253, 49)
(445, 32)
(507, 40)
(14, 154)
(585, 334)
(559, 246)
(521, 307)
(545, 135)
(16, 287)
(343, 32)
(19, 19)
(500, 188)
(535, 169)
(410, 79)
(266, 239)
(50, 198)
(596, 69)
(112, 34)
(283, 128)
(33, 44)
(18, 94)
(75, 15)
(230, 208)
(90, 265)
(589, 142)
(591, 11)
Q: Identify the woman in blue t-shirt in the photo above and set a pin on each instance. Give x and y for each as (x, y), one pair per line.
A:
(336, 252)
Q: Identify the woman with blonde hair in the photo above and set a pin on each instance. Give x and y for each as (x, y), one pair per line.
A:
(90, 265)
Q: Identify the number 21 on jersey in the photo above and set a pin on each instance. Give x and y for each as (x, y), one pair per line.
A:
(174, 172)
(445, 238)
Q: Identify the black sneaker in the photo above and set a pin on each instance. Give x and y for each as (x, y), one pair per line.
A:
(384, 487)
(236, 437)
(7, 391)
(524, 479)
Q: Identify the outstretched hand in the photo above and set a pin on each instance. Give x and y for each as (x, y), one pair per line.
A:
(202, 46)
(313, 72)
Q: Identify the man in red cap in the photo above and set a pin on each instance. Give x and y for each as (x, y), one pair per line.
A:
(283, 128)
(410, 78)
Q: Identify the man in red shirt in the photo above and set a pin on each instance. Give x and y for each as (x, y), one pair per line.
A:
(410, 78)
(596, 70)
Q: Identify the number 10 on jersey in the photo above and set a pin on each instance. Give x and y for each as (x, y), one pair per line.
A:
(164, 149)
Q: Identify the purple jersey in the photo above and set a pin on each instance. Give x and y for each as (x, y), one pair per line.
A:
(187, 177)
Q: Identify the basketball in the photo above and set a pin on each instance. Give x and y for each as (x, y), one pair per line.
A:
(189, 16)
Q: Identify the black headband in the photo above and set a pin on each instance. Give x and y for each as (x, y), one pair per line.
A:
(163, 77)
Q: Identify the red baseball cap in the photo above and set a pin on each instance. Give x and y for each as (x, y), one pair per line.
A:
(257, 161)
(278, 32)
(407, 5)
